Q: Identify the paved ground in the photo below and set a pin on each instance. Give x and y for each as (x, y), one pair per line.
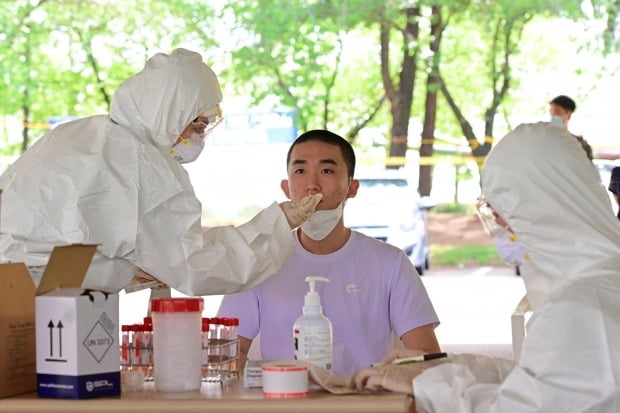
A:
(475, 304)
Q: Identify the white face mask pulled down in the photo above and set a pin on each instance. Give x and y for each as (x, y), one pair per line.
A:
(188, 150)
(322, 222)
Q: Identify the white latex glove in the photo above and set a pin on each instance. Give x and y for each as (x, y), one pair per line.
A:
(297, 212)
(379, 378)
(392, 377)
(143, 280)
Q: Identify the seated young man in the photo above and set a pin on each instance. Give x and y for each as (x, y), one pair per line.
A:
(373, 290)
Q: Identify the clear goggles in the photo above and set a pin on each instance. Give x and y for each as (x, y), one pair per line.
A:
(489, 217)
(209, 119)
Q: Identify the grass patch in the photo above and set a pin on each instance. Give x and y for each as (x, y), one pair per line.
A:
(464, 255)
(455, 208)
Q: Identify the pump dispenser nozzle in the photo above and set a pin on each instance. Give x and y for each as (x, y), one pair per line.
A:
(312, 300)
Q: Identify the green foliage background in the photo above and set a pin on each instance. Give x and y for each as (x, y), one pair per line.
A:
(66, 57)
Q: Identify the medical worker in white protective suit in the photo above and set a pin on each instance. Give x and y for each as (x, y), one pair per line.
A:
(539, 180)
(117, 181)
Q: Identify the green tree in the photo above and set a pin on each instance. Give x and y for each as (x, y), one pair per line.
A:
(500, 26)
(406, 22)
(66, 57)
(293, 50)
(609, 12)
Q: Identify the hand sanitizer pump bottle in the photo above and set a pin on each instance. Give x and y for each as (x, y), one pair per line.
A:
(312, 332)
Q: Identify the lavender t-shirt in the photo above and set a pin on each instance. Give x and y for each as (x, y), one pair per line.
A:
(373, 289)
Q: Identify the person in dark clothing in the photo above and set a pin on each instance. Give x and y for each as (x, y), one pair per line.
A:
(561, 109)
(614, 185)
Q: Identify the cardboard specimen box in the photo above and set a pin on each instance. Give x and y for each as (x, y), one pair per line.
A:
(77, 330)
(17, 348)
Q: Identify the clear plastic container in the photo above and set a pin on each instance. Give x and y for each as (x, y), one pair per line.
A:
(177, 348)
(132, 376)
(125, 348)
(205, 348)
(214, 351)
(148, 338)
(222, 349)
(147, 351)
(233, 351)
(135, 331)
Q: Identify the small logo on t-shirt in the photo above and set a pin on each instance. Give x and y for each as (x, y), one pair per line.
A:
(352, 288)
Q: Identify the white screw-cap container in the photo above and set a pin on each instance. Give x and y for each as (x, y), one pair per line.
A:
(177, 348)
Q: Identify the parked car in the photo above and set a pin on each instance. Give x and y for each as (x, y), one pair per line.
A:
(390, 210)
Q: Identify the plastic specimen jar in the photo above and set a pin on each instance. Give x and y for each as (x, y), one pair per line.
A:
(177, 348)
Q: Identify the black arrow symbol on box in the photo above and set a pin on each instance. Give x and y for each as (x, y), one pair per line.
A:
(50, 325)
(60, 326)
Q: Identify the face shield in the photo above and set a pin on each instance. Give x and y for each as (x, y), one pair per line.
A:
(508, 247)
(494, 225)
(191, 142)
(207, 121)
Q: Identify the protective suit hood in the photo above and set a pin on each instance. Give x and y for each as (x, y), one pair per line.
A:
(162, 99)
(114, 185)
(570, 225)
(539, 179)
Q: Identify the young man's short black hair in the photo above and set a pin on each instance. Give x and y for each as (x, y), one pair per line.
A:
(565, 102)
(330, 138)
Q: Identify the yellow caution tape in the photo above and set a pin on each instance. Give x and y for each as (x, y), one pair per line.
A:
(473, 144)
(399, 140)
(36, 125)
(424, 160)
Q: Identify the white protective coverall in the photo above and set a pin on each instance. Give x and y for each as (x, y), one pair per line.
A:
(109, 180)
(540, 181)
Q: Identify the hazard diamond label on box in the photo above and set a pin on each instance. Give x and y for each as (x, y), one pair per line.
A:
(98, 341)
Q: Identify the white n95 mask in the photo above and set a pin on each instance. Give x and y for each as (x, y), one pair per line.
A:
(188, 150)
(322, 222)
(510, 249)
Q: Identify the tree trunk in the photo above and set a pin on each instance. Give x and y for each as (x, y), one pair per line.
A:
(425, 181)
(466, 127)
(400, 99)
(479, 151)
(26, 116)
(505, 31)
(86, 42)
(329, 86)
(26, 95)
(456, 184)
(501, 76)
(609, 34)
(361, 123)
